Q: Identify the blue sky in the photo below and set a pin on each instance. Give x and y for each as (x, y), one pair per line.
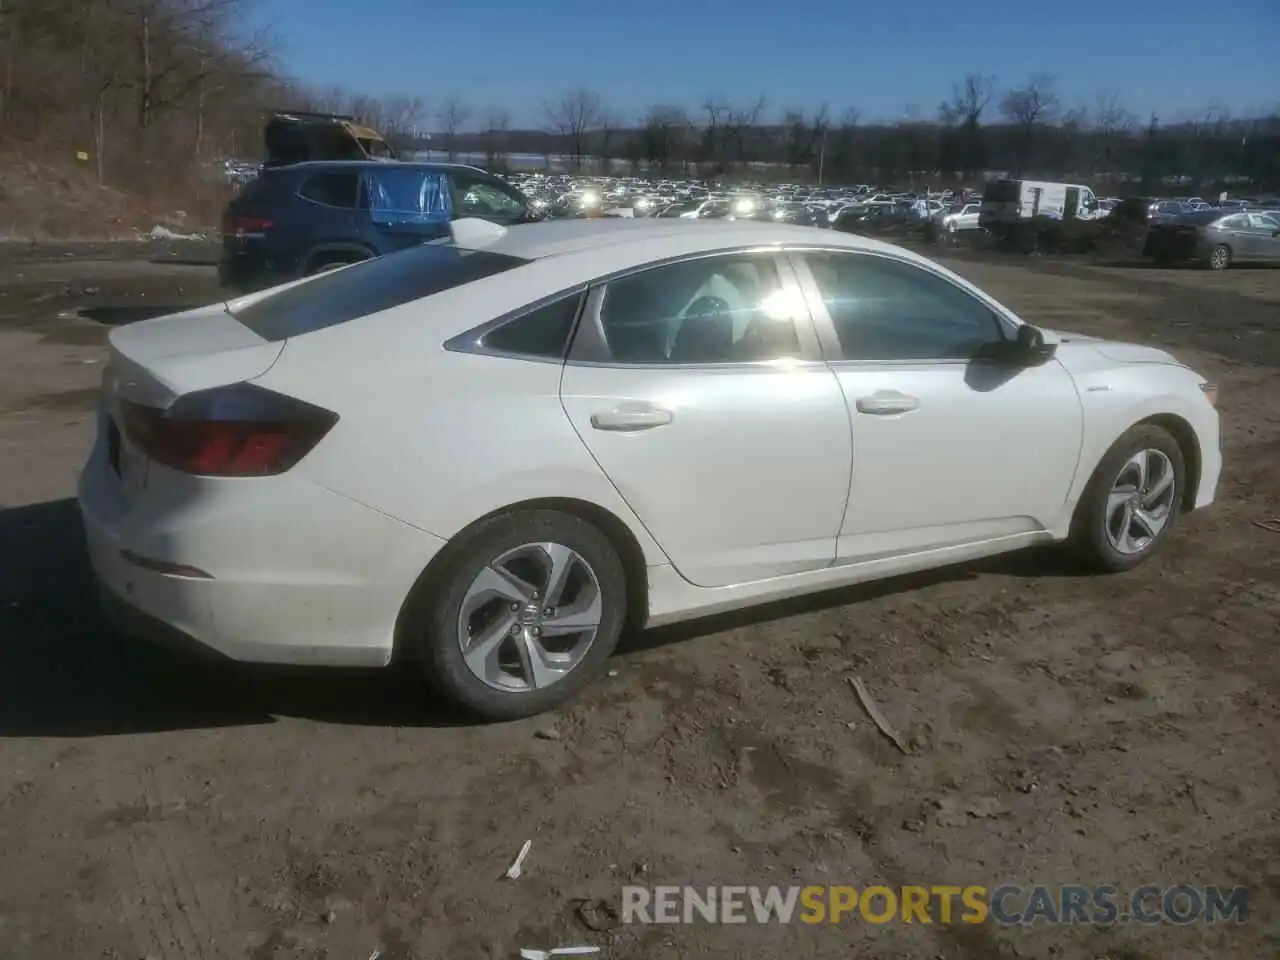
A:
(1171, 56)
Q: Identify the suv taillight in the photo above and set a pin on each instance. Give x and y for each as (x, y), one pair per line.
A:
(240, 430)
(238, 225)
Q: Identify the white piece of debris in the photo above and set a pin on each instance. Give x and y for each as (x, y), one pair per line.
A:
(881, 721)
(527, 954)
(164, 233)
(513, 871)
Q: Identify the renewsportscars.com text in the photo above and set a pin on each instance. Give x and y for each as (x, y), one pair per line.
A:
(1007, 904)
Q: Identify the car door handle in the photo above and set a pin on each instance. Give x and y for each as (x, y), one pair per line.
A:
(881, 404)
(631, 419)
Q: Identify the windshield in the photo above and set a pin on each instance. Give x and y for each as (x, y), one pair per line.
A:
(370, 287)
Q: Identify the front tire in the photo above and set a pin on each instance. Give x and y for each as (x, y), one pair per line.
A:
(1132, 501)
(528, 607)
(1219, 257)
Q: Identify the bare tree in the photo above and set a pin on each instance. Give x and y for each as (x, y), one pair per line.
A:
(963, 113)
(1026, 107)
(739, 128)
(609, 125)
(572, 115)
(494, 138)
(1112, 124)
(804, 136)
(664, 136)
(452, 116)
(969, 98)
(715, 110)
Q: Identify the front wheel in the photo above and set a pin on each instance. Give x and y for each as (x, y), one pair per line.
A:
(529, 606)
(1220, 257)
(1132, 501)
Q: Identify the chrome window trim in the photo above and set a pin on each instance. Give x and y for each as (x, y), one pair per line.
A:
(590, 348)
(832, 351)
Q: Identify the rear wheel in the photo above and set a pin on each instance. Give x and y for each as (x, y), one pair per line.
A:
(323, 264)
(1132, 502)
(529, 606)
(1219, 257)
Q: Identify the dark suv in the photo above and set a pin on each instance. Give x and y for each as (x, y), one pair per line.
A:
(300, 219)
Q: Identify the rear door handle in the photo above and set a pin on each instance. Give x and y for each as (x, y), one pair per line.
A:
(630, 419)
(887, 402)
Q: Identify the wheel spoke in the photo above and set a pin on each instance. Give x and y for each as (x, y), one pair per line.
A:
(1124, 536)
(494, 582)
(538, 672)
(482, 652)
(1151, 524)
(561, 560)
(1159, 488)
(1142, 461)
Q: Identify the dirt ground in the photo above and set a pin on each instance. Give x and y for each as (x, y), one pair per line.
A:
(1088, 730)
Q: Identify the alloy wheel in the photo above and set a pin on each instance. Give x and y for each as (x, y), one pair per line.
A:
(530, 617)
(1141, 502)
(1220, 257)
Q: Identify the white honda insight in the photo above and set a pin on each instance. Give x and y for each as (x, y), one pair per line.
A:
(493, 453)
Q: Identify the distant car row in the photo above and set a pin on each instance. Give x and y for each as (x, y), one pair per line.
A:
(298, 214)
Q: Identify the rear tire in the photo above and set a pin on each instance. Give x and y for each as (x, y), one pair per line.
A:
(325, 264)
(497, 635)
(1128, 510)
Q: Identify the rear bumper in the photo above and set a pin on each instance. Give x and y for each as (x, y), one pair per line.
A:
(277, 570)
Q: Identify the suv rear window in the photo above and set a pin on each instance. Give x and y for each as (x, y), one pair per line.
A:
(370, 287)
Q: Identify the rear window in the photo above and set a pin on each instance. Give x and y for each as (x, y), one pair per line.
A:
(370, 287)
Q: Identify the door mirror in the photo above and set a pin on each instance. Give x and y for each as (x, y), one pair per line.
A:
(1030, 346)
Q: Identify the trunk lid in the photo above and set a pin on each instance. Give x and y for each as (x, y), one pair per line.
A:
(155, 361)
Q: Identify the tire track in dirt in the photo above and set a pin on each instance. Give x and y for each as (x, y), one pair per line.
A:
(174, 915)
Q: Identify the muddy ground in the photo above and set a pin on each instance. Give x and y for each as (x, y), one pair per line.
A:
(1069, 729)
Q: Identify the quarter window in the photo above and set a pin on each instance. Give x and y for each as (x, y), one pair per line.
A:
(543, 332)
(332, 189)
(714, 310)
(885, 309)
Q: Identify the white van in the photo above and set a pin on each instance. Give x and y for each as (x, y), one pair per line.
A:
(1008, 201)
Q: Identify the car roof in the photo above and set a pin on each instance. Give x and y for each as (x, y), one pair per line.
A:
(640, 241)
(321, 165)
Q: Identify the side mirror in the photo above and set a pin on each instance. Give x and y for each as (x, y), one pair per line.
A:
(1031, 346)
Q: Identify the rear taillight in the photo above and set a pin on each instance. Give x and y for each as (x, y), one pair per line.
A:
(240, 430)
(239, 225)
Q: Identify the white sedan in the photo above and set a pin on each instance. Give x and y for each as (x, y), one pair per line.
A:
(965, 218)
(495, 453)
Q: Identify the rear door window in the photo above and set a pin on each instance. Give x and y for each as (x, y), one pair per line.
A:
(332, 189)
(370, 287)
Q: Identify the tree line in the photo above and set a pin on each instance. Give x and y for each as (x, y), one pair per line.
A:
(148, 94)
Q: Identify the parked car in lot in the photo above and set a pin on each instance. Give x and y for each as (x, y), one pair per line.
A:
(493, 454)
(299, 219)
(1216, 238)
(965, 217)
